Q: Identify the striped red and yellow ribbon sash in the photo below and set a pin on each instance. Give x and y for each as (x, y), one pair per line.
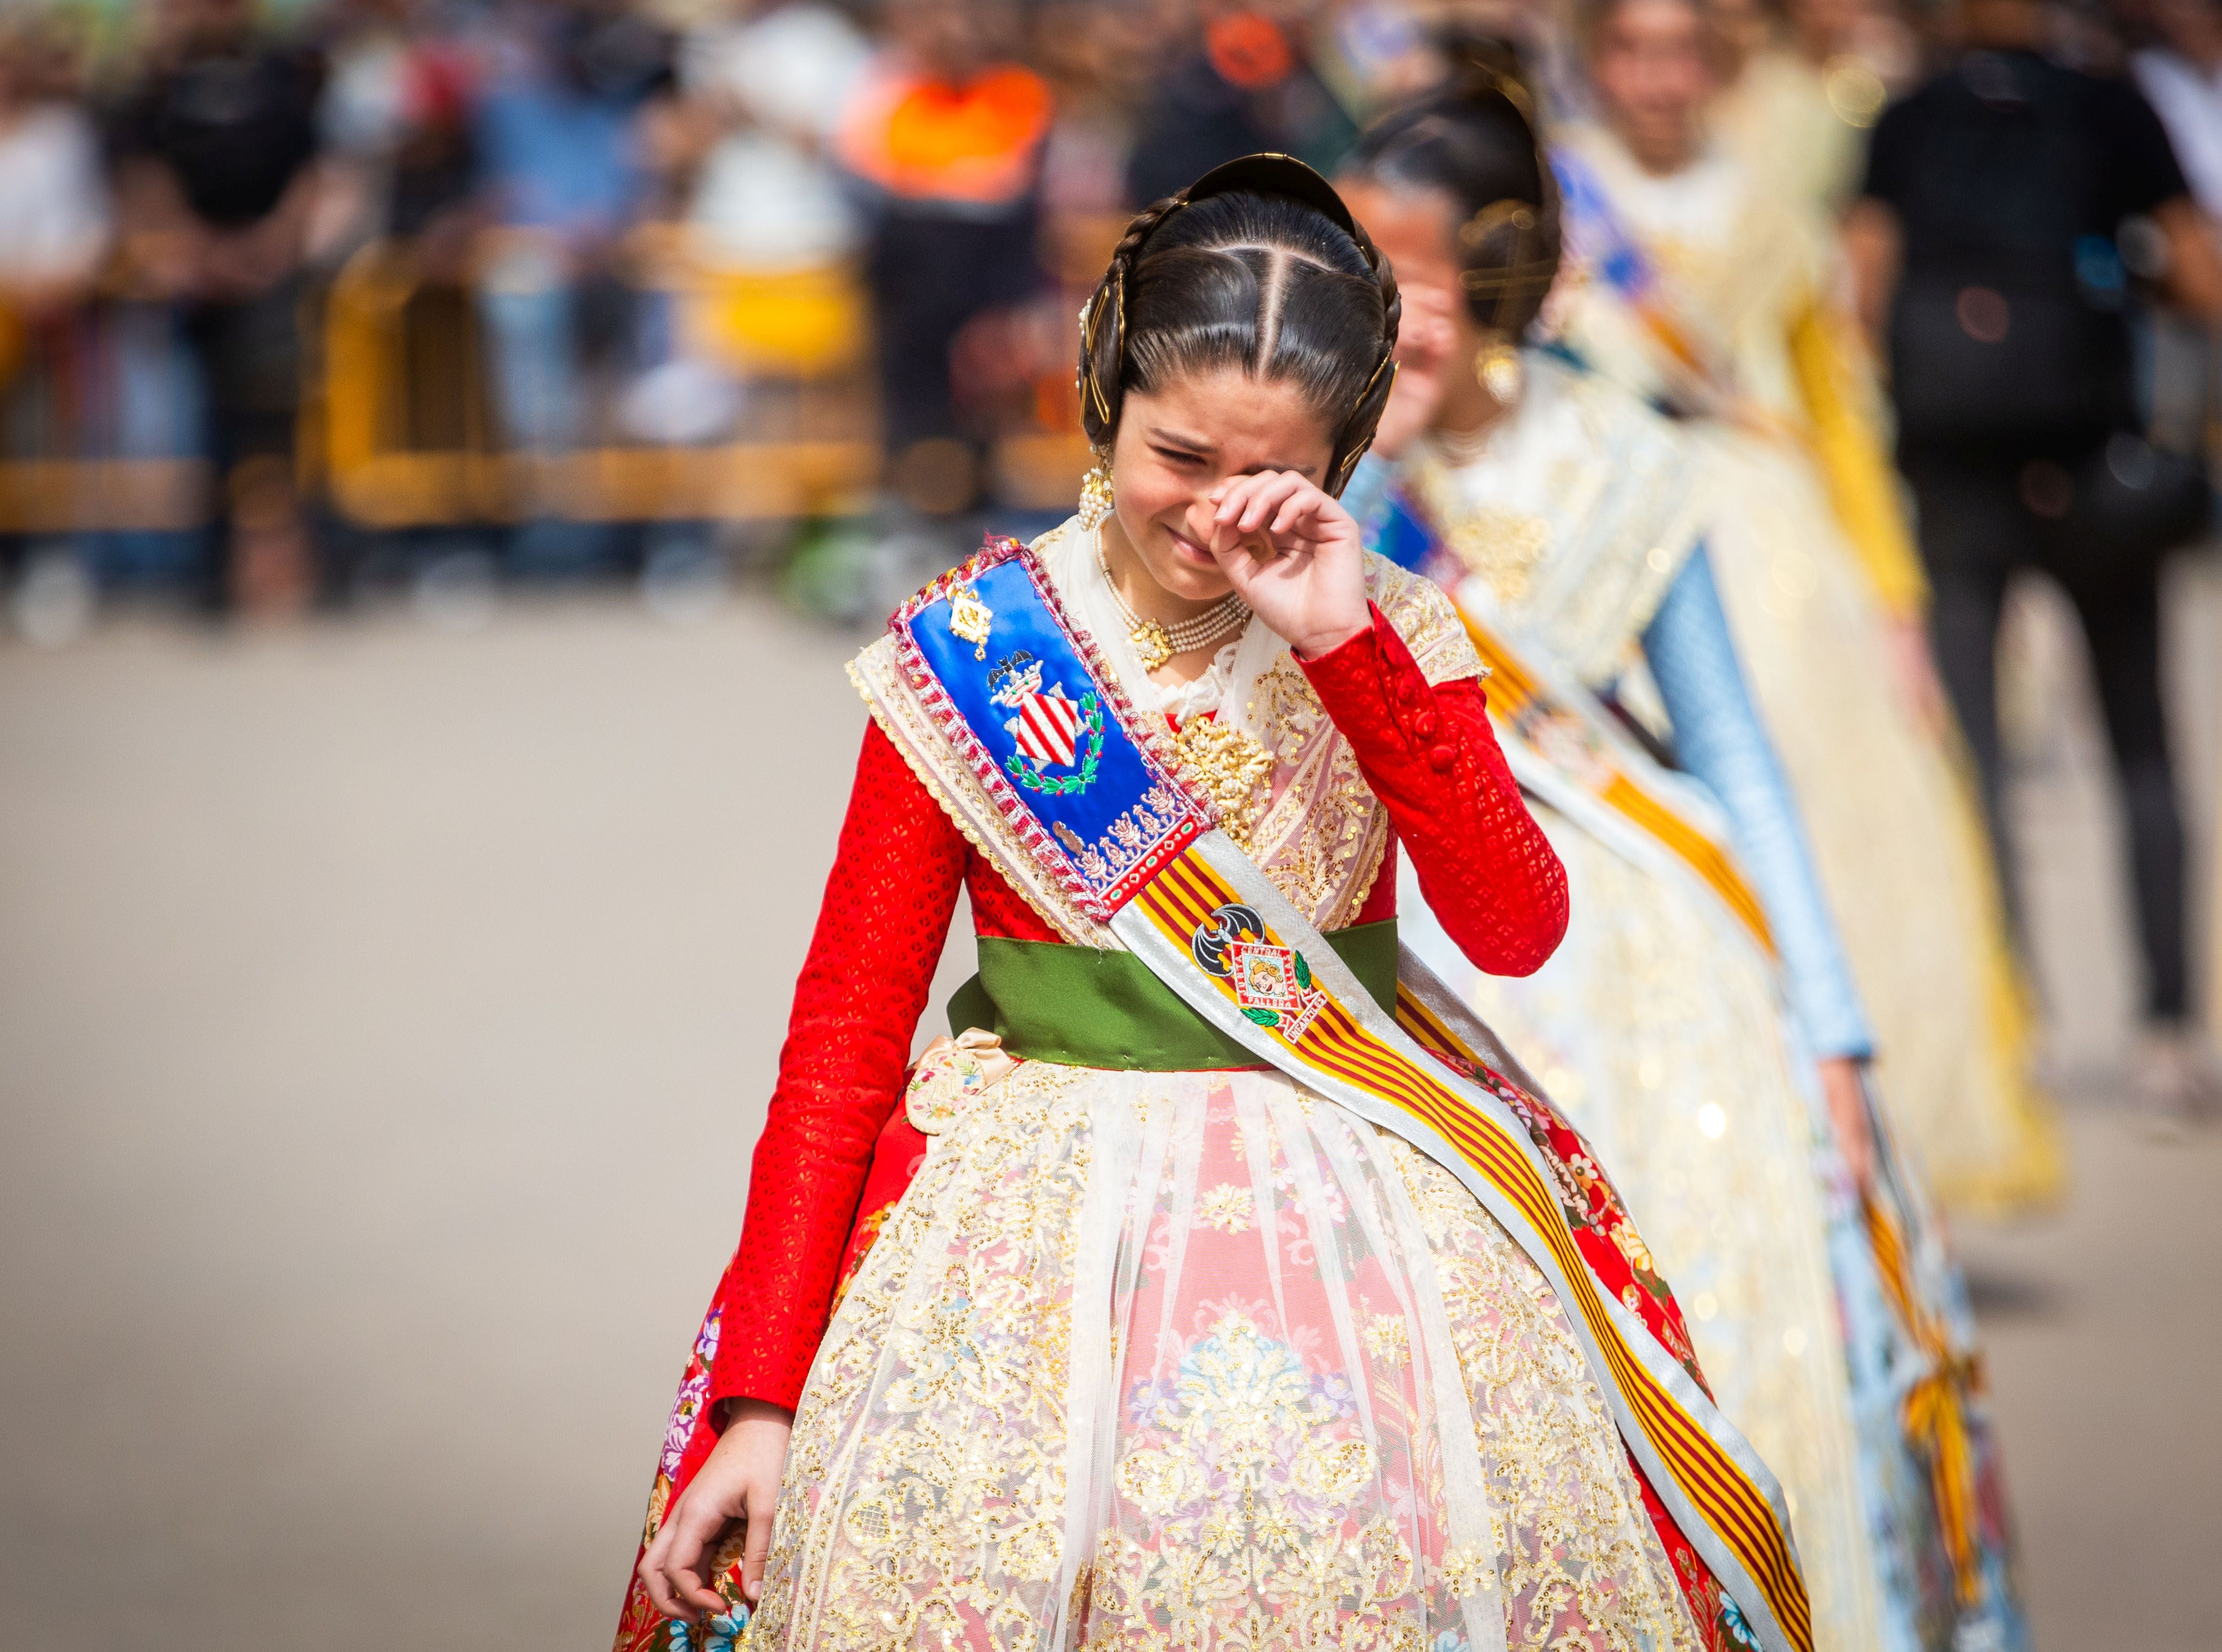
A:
(1935, 1410)
(1520, 700)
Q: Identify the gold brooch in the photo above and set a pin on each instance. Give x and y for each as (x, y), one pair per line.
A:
(970, 619)
(1154, 645)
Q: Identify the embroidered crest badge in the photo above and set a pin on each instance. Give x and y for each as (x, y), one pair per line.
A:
(1051, 729)
(1272, 984)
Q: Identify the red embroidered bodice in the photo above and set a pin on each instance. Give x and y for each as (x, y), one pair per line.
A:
(1428, 753)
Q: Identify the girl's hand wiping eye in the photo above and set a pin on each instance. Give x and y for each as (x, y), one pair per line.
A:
(1293, 553)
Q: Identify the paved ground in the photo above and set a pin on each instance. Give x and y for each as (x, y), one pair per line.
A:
(385, 1018)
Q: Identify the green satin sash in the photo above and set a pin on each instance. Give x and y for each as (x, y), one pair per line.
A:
(1049, 1001)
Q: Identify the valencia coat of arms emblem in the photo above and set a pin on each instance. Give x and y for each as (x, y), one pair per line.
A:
(1050, 728)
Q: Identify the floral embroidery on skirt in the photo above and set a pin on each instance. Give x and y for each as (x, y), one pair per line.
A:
(1171, 1360)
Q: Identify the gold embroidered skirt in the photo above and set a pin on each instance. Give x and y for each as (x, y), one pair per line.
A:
(1197, 1359)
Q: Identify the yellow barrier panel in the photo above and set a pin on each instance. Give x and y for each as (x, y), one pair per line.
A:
(102, 495)
(803, 326)
(806, 323)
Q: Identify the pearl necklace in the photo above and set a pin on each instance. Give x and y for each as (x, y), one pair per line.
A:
(1157, 642)
(1463, 448)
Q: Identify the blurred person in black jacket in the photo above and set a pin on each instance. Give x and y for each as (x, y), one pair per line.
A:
(215, 152)
(1242, 84)
(2011, 206)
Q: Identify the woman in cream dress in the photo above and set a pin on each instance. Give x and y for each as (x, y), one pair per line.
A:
(1567, 519)
(1706, 296)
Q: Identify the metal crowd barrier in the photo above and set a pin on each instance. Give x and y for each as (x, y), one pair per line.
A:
(398, 428)
(409, 437)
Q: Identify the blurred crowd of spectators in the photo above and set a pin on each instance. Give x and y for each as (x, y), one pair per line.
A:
(247, 253)
(607, 225)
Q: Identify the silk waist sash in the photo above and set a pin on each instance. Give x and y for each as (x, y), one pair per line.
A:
(1089, 1007)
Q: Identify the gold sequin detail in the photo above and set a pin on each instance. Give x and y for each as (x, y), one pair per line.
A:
(1467, 1568)
(1577, 516)
(1227, 765)
(1228, 1208)
(1503, 547)
(1388, 1340)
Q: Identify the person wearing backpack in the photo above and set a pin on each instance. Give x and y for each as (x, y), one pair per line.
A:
(2013, 210)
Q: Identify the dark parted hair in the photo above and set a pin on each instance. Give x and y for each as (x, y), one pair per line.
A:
(1473, 140)
(1282, 286)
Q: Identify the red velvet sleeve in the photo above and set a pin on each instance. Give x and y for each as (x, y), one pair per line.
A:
(1431, 756)
(880, 933)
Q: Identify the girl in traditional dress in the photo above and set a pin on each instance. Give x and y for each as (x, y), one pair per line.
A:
(1568, 520)
(1708, 296)
(1165, 1345)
